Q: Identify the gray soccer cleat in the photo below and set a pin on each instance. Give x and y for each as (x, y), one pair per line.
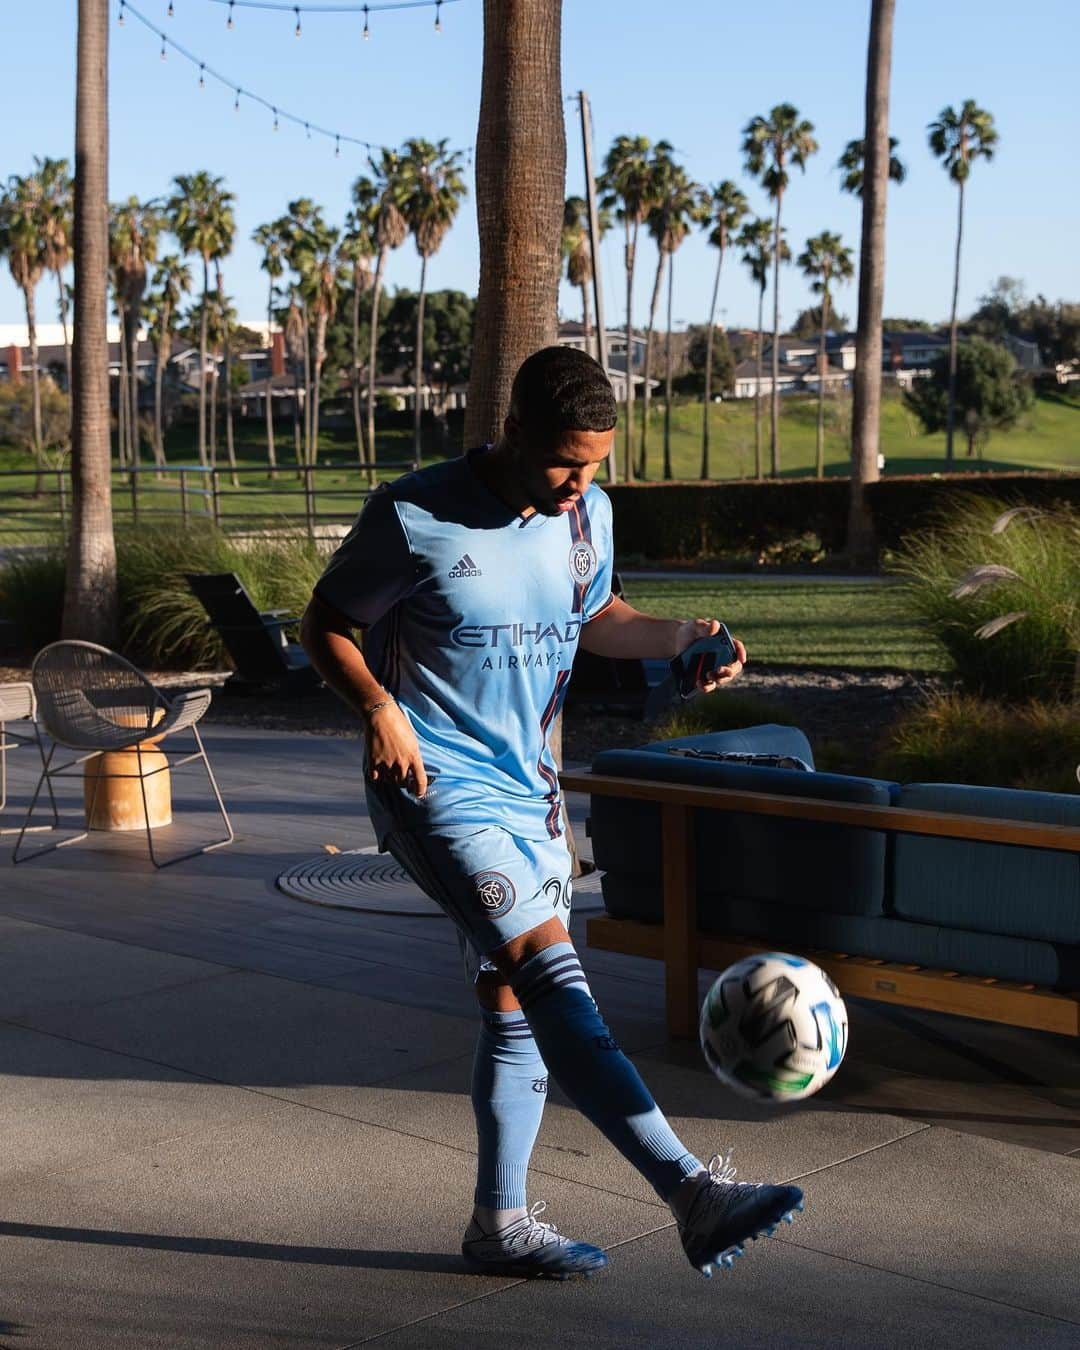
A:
(531, 1249)
(725, 1214)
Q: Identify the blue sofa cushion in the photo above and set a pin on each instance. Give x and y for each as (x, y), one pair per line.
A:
(802, 863)
(989, 888)
(1026, 960)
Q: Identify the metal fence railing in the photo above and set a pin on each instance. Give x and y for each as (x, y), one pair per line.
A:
(37, 502)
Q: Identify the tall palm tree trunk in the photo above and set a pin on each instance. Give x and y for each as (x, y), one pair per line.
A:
(212, 426)
(310, 452)
(708, 369)
(950, 413)
(586, 318)
(667, 373)
(123, 404)
(271, 452)
(819, 459)
(298, 443)
(643, 459)
(159, 377)
(373, 343)
(132, 335)
(358, 427)
(35, 381)
(90, 580)
(758, 466)
(866, 400)
(774, 399)
(418, 374)
(64, 323)
(628, 456)
(202, 362)
(321, 322)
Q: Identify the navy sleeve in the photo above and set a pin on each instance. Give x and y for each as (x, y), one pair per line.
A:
(373, 567)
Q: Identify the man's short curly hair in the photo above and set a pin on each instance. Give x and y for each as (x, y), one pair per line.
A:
(561, 389)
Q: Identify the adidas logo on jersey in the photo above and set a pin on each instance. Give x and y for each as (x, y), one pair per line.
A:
(464, 567)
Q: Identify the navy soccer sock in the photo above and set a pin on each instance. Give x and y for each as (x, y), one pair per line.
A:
(509, 1086)
(590, 1068)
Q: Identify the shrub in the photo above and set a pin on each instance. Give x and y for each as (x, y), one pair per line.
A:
(161, 622)
(961, 739)
(1032, 658)
(725, 710)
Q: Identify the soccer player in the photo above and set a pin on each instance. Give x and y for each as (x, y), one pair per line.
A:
(473, 582)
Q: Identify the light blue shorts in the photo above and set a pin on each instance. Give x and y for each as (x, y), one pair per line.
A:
(493, 885)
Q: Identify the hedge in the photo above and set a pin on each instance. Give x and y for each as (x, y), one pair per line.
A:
(670, 521)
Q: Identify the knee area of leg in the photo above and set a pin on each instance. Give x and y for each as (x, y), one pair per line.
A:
(553, 967)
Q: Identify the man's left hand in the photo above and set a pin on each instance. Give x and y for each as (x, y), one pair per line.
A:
(692, 631)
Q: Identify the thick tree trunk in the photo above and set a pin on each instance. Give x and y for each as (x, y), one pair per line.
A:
(643, 460)
(758, 466)
(628, 455)
(708, 369)
(202, 362)
(373, 341)
(90, 583)
(418, 368)
(271, 451)
(667, 373)
(866, 402)
(950, 412)
(774, 393)
(819, 457)
(520, 178)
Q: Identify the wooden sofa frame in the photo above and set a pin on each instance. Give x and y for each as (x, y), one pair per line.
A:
(683, 949)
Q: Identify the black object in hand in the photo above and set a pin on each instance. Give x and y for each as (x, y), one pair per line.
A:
(700, 659)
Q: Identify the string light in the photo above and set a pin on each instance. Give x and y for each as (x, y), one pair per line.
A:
(170, 12)
(438, 8)
(367, 30)
(229, 20)
(355, 7)
(120, 16)
(279, 114)
(296, 11)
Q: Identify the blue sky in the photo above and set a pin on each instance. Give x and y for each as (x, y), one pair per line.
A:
(691, 71)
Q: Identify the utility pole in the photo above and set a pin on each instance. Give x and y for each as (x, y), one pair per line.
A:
(594, 250)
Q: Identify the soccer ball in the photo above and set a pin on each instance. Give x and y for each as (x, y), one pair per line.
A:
(774, 1028)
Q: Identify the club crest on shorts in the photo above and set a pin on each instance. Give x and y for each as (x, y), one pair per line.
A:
(583, 563)
(495, 892)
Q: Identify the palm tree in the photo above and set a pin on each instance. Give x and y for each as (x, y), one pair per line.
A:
(432, 191)
(22, 240)
(319, 265)
(171, 282)
(356, 250)
(755, 243)
(133, 242)
(301, 216)
(201, 217)
(56, 188)
(577, 250)
(626, 184)
(866, 394)
(726, 208)
(271, 239)
(770, 144)
(680, 206)
(391, 231)
(661, 168)
(296, 349)
(823, 261)
(958, 139)
(850, 165)
(90, 580)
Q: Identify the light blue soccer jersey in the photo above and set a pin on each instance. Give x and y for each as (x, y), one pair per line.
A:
(472, 618)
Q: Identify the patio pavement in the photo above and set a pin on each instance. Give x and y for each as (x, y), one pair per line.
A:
(234, 1119)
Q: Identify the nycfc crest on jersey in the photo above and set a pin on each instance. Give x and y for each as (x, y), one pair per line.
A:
(583, 563)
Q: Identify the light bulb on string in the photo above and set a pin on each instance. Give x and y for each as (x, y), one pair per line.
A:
(170, 12)
(202, 75)
(120, 16)
(337, 147)
(229, 20)
(367, 29)
(298, 30)
(236, 105)
(275, 120)
(308, 130)
(438, 8)
(163, 49)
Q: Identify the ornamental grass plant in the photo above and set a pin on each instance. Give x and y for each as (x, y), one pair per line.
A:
(997, 586)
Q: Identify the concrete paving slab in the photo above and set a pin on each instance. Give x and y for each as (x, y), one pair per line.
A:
(41, 967)
(780, 1295)
(291, 1230)
(298, 1040)
(64, 1104)
(988, 1218)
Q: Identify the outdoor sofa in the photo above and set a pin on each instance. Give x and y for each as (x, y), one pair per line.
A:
(960, 899)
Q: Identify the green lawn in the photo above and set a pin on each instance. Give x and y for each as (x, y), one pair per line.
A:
(805, 623)
(1049, 438)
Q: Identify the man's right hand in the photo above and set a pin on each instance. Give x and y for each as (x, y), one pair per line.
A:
(393, 750)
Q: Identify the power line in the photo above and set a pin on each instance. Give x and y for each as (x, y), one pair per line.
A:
(280, 114)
